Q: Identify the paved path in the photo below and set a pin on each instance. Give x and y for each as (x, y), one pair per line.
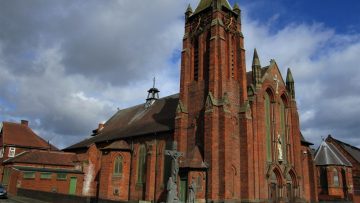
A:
(19, 199)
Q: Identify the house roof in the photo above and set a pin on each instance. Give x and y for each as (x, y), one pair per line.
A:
(22, 135)
(328, 154)
(45, 157)
(135, 121)
(352, 150)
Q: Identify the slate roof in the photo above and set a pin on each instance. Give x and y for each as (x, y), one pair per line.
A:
(353, 151)
(45, 157)
(21, 135)
(327, 154)
(135, 121)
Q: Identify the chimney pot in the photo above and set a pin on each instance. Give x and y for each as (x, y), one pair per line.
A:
(25, 122)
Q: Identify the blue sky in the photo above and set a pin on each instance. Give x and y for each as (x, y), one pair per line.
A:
(343, 16)
(68, 65)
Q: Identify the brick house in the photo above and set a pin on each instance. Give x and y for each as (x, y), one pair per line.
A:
(29, 163)
(335, 174)
(238, 131)
(42, 170)
(352, 154)
(16, 138)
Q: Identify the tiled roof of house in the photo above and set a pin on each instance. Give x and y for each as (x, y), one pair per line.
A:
(21, 135)
(135, 121)
(45, 157)
(327, 154)
(352, 150)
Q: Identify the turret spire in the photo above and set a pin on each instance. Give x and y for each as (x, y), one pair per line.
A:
(256, 69)
(290, 83)
(188, 12)
(153, 95)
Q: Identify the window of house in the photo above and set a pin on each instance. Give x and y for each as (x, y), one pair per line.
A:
(118, 166)
(12, 151)
(61, 176)
(45, 175)
(29, 175)
(336, 177)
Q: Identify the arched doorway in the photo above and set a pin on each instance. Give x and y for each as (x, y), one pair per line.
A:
(274, 186)
(291, 186)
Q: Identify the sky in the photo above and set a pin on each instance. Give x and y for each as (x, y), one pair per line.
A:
(67, 66)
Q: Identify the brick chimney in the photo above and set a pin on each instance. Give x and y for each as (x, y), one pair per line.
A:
(25, 122)
(101, 126)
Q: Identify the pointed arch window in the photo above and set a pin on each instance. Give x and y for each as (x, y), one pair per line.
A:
(118, 166)
(141, 167)
(267, 107)
(283, 127)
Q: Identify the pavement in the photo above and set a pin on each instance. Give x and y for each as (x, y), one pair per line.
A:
(20, 199)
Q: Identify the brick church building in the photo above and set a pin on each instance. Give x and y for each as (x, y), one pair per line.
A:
(238, 131)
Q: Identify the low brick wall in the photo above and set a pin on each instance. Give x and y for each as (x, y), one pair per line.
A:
(61, 198)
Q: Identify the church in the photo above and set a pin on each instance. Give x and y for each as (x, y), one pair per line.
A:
(238, 132)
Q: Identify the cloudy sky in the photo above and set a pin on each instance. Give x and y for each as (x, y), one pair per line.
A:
(67, 65)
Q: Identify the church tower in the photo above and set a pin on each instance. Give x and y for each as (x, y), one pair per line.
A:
(213, 101)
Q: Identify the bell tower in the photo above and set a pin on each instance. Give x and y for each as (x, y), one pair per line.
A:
(213, 97)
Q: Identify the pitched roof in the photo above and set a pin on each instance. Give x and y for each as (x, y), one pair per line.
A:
(327, 154)
(22, 135)
(352, 150)
(118, 145)
(45, 157)
(135, 121)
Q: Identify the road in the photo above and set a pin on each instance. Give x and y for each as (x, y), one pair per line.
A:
(8, 201)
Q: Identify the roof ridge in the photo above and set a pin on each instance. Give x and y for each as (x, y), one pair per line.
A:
(345, 143)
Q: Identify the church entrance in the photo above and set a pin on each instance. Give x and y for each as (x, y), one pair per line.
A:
(274, 186)
(273, 192)
(290, 192)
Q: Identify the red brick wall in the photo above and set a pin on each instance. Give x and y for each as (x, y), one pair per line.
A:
(16, 180)
(336, 192)
(91, 160)
(109, 182)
